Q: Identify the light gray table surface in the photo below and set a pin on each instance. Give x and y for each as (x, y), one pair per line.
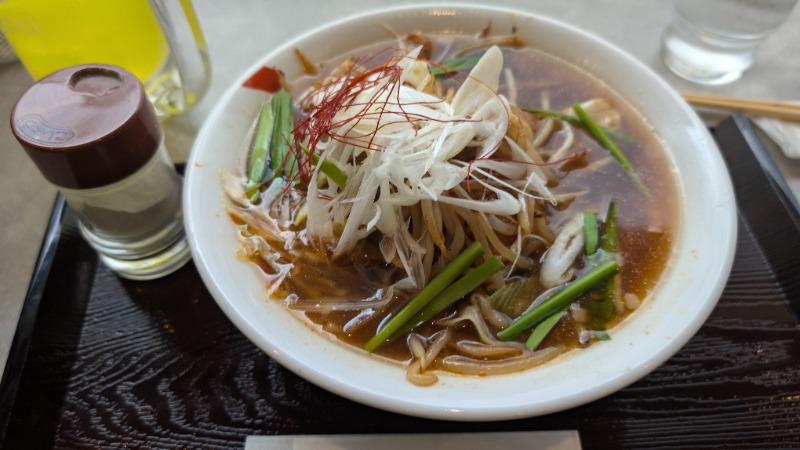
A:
(241, 31)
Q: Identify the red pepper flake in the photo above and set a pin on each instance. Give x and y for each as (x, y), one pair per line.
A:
(265, 79)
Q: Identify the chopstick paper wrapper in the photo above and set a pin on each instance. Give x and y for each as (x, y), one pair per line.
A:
(540, 440)
(785, 134)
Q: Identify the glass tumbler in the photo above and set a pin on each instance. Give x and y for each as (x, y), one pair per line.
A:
(715, 41)
(159, 41)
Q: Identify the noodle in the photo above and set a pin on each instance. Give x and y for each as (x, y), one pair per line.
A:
(394, 169)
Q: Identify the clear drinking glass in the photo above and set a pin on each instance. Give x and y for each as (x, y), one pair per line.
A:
(715, 41)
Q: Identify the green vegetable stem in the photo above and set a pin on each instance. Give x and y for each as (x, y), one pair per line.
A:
(590, 233)
(331, 170)
(260, 151)
(270, 149)
(543, 329)
(616, 134)
(601, 299)
(283, 161)
(609, 145)
(559, 300)
(443, 279)
(456, 291)
(460, 64)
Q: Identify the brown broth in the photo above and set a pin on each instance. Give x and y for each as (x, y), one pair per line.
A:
(646, 226)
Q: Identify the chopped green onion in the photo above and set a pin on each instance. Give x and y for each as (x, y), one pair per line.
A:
(601, 335)
(259, 166)
(456, 291)
(459, 64)
(559, 300)
(331, 170)
(616, 134)
(610, 229)
(270, 149)
(601, 299)
(601, 305)
(275, 188)
(515, 297)
(557, 114)
(283, 162)
(503, 299)
(543, 329)
(443, 279)
(609, 145)
(269, 194)
(590, 233)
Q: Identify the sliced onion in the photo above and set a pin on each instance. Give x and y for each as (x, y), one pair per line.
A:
(543, 296)
(566, 144)
(558, 260)
(325, 304)
(362, 318)
(602, 112)
(234, 189)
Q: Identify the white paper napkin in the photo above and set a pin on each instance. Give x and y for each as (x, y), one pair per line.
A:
(540, 440)
(785, 133)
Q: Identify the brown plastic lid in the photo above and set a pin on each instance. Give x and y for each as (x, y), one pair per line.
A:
(87, 126)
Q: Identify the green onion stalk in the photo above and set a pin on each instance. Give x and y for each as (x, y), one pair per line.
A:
(559, 300)
(443, 279)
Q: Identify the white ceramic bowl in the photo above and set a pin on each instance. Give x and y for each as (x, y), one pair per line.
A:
(703, 251)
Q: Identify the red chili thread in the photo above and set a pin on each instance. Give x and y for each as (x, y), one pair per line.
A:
(342, 93)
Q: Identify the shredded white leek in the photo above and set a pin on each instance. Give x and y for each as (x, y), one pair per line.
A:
(399, 146)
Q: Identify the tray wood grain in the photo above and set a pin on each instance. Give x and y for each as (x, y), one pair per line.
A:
(101, 362)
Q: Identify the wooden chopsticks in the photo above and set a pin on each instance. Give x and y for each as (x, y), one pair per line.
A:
(780, 110)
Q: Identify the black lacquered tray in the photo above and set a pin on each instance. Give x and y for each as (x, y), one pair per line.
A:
(100, 362)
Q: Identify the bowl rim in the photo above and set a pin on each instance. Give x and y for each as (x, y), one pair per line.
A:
(406, 401)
